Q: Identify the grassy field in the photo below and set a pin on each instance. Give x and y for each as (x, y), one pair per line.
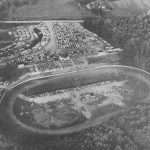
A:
(68, 9)
(49, 9)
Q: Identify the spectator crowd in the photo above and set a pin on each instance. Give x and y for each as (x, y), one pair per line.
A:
(22, 49)
(74, 45)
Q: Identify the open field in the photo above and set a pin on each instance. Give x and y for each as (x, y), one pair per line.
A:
(69, 9)
(49, 9)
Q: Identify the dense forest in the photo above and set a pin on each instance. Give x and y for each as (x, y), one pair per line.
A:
(132, 34)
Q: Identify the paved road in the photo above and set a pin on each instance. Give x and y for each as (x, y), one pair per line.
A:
(52, 44)
(46, 21)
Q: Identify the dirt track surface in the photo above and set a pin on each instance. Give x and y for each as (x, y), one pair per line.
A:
(7, 103)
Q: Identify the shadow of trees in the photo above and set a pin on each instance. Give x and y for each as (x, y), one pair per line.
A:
(130, 33)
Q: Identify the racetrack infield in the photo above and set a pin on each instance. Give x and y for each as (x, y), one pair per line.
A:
(66, 80)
